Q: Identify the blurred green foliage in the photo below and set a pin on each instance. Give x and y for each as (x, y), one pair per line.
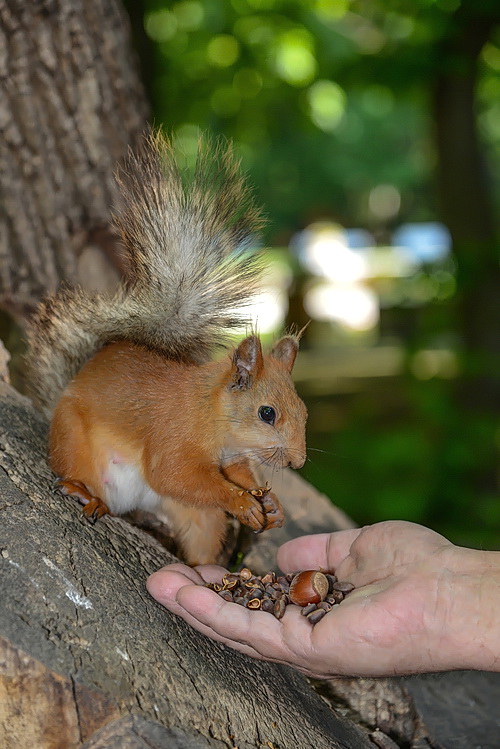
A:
(326, 100)
(411, 459)
(315, 93)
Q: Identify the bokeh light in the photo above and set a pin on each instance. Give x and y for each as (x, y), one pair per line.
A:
(354, 306)
(327, 104)
(294, 57)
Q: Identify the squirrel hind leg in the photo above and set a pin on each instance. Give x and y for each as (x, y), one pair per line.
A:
(71, 454)
(94, 507)
(199, 531)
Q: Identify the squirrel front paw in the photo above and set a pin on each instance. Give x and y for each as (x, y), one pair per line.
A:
(260, 509)
(272, 507)
(249, 511)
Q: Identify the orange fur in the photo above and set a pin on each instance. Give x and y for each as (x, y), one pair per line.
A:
(132, 420)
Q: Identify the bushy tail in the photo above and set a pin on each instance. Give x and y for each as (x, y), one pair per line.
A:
(188, 267)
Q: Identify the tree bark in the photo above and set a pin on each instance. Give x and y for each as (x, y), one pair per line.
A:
(83, 645)
(70, 104)
(88, 659)
(465, 198)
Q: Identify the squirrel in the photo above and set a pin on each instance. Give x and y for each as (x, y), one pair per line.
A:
(142, 416)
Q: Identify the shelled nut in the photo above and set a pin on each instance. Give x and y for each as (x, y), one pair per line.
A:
(315, 591)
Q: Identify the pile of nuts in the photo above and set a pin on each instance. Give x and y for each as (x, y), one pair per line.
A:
(315, 591)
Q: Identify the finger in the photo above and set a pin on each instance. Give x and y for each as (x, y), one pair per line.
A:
(191, 573)
(211, 573)
(160, 581)
(256, 634)
(322, 550)
(164, 584)
(236, 625)
(297, 631)
(178, 588)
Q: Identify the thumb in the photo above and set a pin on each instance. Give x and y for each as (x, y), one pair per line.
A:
(322, 550)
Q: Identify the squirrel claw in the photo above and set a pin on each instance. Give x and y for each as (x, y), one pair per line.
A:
(273, 511)
(249, 512)
(95, 509)
(276, 523)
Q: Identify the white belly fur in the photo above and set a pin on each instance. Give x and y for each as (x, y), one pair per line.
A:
(126, 490)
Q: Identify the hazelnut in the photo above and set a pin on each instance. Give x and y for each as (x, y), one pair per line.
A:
(309, 586)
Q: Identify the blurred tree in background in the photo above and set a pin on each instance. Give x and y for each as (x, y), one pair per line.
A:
(371, 115)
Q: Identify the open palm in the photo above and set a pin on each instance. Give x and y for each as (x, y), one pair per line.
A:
(402, 618)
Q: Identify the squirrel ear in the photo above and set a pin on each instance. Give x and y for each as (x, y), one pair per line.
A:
(285, 351)
(247, 363)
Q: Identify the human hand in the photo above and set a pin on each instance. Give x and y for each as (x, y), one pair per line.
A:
(417, 605)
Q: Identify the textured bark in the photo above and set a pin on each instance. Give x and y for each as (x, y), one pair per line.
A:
(70, 104)
(84, 644)
(88, 659)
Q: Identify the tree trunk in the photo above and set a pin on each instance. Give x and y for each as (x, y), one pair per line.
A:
(466, 204)
(464, 189)
(88, 659)
(84, 645)
(70, 104)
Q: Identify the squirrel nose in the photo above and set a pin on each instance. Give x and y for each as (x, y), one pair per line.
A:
(297, 462)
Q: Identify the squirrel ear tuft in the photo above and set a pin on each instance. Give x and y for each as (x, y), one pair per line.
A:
(247, 363)
(285, 351)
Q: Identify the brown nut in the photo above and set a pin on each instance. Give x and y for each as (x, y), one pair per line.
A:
(254, 603)
(230, 581)
(309, 586)
(316, 616)
(331, 598)
(308, 609)
(256, 593)
(267, 605)
(343, 587)
(331, 581)
(279, 608)
(325, 606)
(253, 582)
(269, 578)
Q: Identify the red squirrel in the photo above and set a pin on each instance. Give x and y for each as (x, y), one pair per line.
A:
(141, 414)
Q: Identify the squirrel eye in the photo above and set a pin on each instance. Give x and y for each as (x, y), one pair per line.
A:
(267, 414)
